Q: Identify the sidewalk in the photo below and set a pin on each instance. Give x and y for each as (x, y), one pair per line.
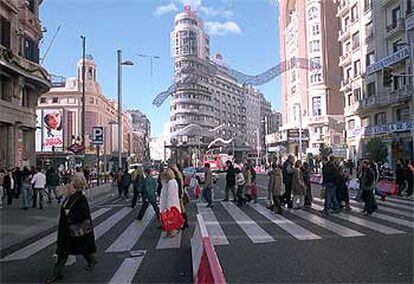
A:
(18, 225)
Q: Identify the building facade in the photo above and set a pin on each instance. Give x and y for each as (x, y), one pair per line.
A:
(64, 100)
(141, 133)
(311, 100)
(22, 81)
(208, 103)
(377, 104)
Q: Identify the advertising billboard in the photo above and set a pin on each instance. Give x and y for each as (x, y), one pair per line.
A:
(49, 133)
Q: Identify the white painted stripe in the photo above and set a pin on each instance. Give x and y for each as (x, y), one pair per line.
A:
(328, 225)
(396, 205)
(363, 222)
(398, 221)
(214, 229)
(106, 225)
(130, 236)
(127, 270)
(44, 242)
(169, 243)
(255, 233)
(400, 200)
(295, 230)
(387, 209)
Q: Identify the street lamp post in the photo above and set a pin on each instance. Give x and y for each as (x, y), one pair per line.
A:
(120, 63)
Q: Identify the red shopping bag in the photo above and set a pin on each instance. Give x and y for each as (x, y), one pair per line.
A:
(253, 191)
(171, 219)
(197, 191)
(387, 187)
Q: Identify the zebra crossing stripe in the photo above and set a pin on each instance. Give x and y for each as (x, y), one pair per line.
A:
(106, 225)
(127, 270)
(295, 230)
(387, 209)
(169, 243)
(328, 225)
(130, 236)
(364, 222)
(255, 233)
(44, 242)
(214, 229)
(399, 200)
(396, 205)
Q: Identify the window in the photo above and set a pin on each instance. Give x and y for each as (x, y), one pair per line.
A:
(316, 62)
(396, 16)
(349, 99)
(25, 97)
(351, 124)
(91, 100)
(354, 13)
(380, 118)
(348, 47)
(314, 46)
(403, 114)
(370, 58)
(90, 72)
(355, 40)
(315, 30)
(365, 121)
(348, 73)
(316, 78)
(5, 33)
(42, 100)
(367, 5)
(316, 106)
(357, 94)
(369, 30)
(409, 7)
(371, 89)
(31, 5)
(346, 24)
(357, 68)
(31, 50)
(55, 100)
(397, 45)
(5, 88)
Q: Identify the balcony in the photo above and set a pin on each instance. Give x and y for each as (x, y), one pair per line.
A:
(394, 28)
(386, 99)
(345, 59)
(343, 8)
(345, 85)
(344, 35)
(320, 119)
(386, 2)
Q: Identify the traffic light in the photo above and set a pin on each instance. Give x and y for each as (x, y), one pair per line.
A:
(387, 77)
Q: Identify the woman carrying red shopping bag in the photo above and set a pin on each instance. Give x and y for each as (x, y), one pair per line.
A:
(170, 204)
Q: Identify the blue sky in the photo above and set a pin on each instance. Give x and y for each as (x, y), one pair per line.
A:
(244, 31)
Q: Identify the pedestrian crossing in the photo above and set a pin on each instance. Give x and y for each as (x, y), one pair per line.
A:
(227, 224)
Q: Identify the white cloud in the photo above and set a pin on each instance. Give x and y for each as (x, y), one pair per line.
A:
(221, 29)
(193, 3)
(166, 9)
(212, 12)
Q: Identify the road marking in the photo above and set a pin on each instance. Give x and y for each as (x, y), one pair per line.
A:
(363, 222)
(255, 233)
(328, 225)
(169, 243)
(386, 209)
(295, 230)
(399, 200)
(44, 242)
(214, 229)
(130, 236)
(127, 270)
(396, 205)
(106, 225)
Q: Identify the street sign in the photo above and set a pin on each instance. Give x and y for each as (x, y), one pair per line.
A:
(97, 135)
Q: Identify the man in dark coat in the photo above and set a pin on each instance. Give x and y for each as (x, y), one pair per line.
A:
(329, 177)
(126, 183)
(287, 171)
(230, 182)
(367, 185)
(149, 196)
(17, 176)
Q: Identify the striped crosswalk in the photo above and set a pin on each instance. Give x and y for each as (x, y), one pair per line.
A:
(226, 224)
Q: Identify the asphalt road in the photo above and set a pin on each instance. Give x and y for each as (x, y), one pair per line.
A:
(253, 245)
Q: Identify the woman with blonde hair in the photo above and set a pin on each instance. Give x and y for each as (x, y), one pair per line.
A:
(169, 195)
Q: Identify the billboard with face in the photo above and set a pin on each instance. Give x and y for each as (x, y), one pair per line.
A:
(49, 132)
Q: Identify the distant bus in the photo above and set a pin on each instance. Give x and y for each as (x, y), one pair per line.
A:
(217, 161)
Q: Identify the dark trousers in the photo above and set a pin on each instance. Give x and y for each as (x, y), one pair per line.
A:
(231, 188)
(410, 187)
(119, 189)
(369, 199)
(308, 196)
(330, 197)
(401, 187)
(125, 190)
(17, 190)
(9, 193)
(276, 204)
(207, 195)
(135, 197)
(37, 191)
(240, 200)
(144, 208)
(287, 196)
(61, 261)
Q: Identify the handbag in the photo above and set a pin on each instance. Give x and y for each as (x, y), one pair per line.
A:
(171, 219)
(77, 230)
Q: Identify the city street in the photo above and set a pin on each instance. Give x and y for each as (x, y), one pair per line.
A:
(253, 245)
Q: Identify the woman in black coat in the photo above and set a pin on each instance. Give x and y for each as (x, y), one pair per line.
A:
(75, 232)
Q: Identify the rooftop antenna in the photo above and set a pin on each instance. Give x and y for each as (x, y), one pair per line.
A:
(50, 45)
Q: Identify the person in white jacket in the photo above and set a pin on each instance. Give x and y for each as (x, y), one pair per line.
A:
(169, 195)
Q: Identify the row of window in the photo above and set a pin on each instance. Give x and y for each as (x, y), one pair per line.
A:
(401, 115)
